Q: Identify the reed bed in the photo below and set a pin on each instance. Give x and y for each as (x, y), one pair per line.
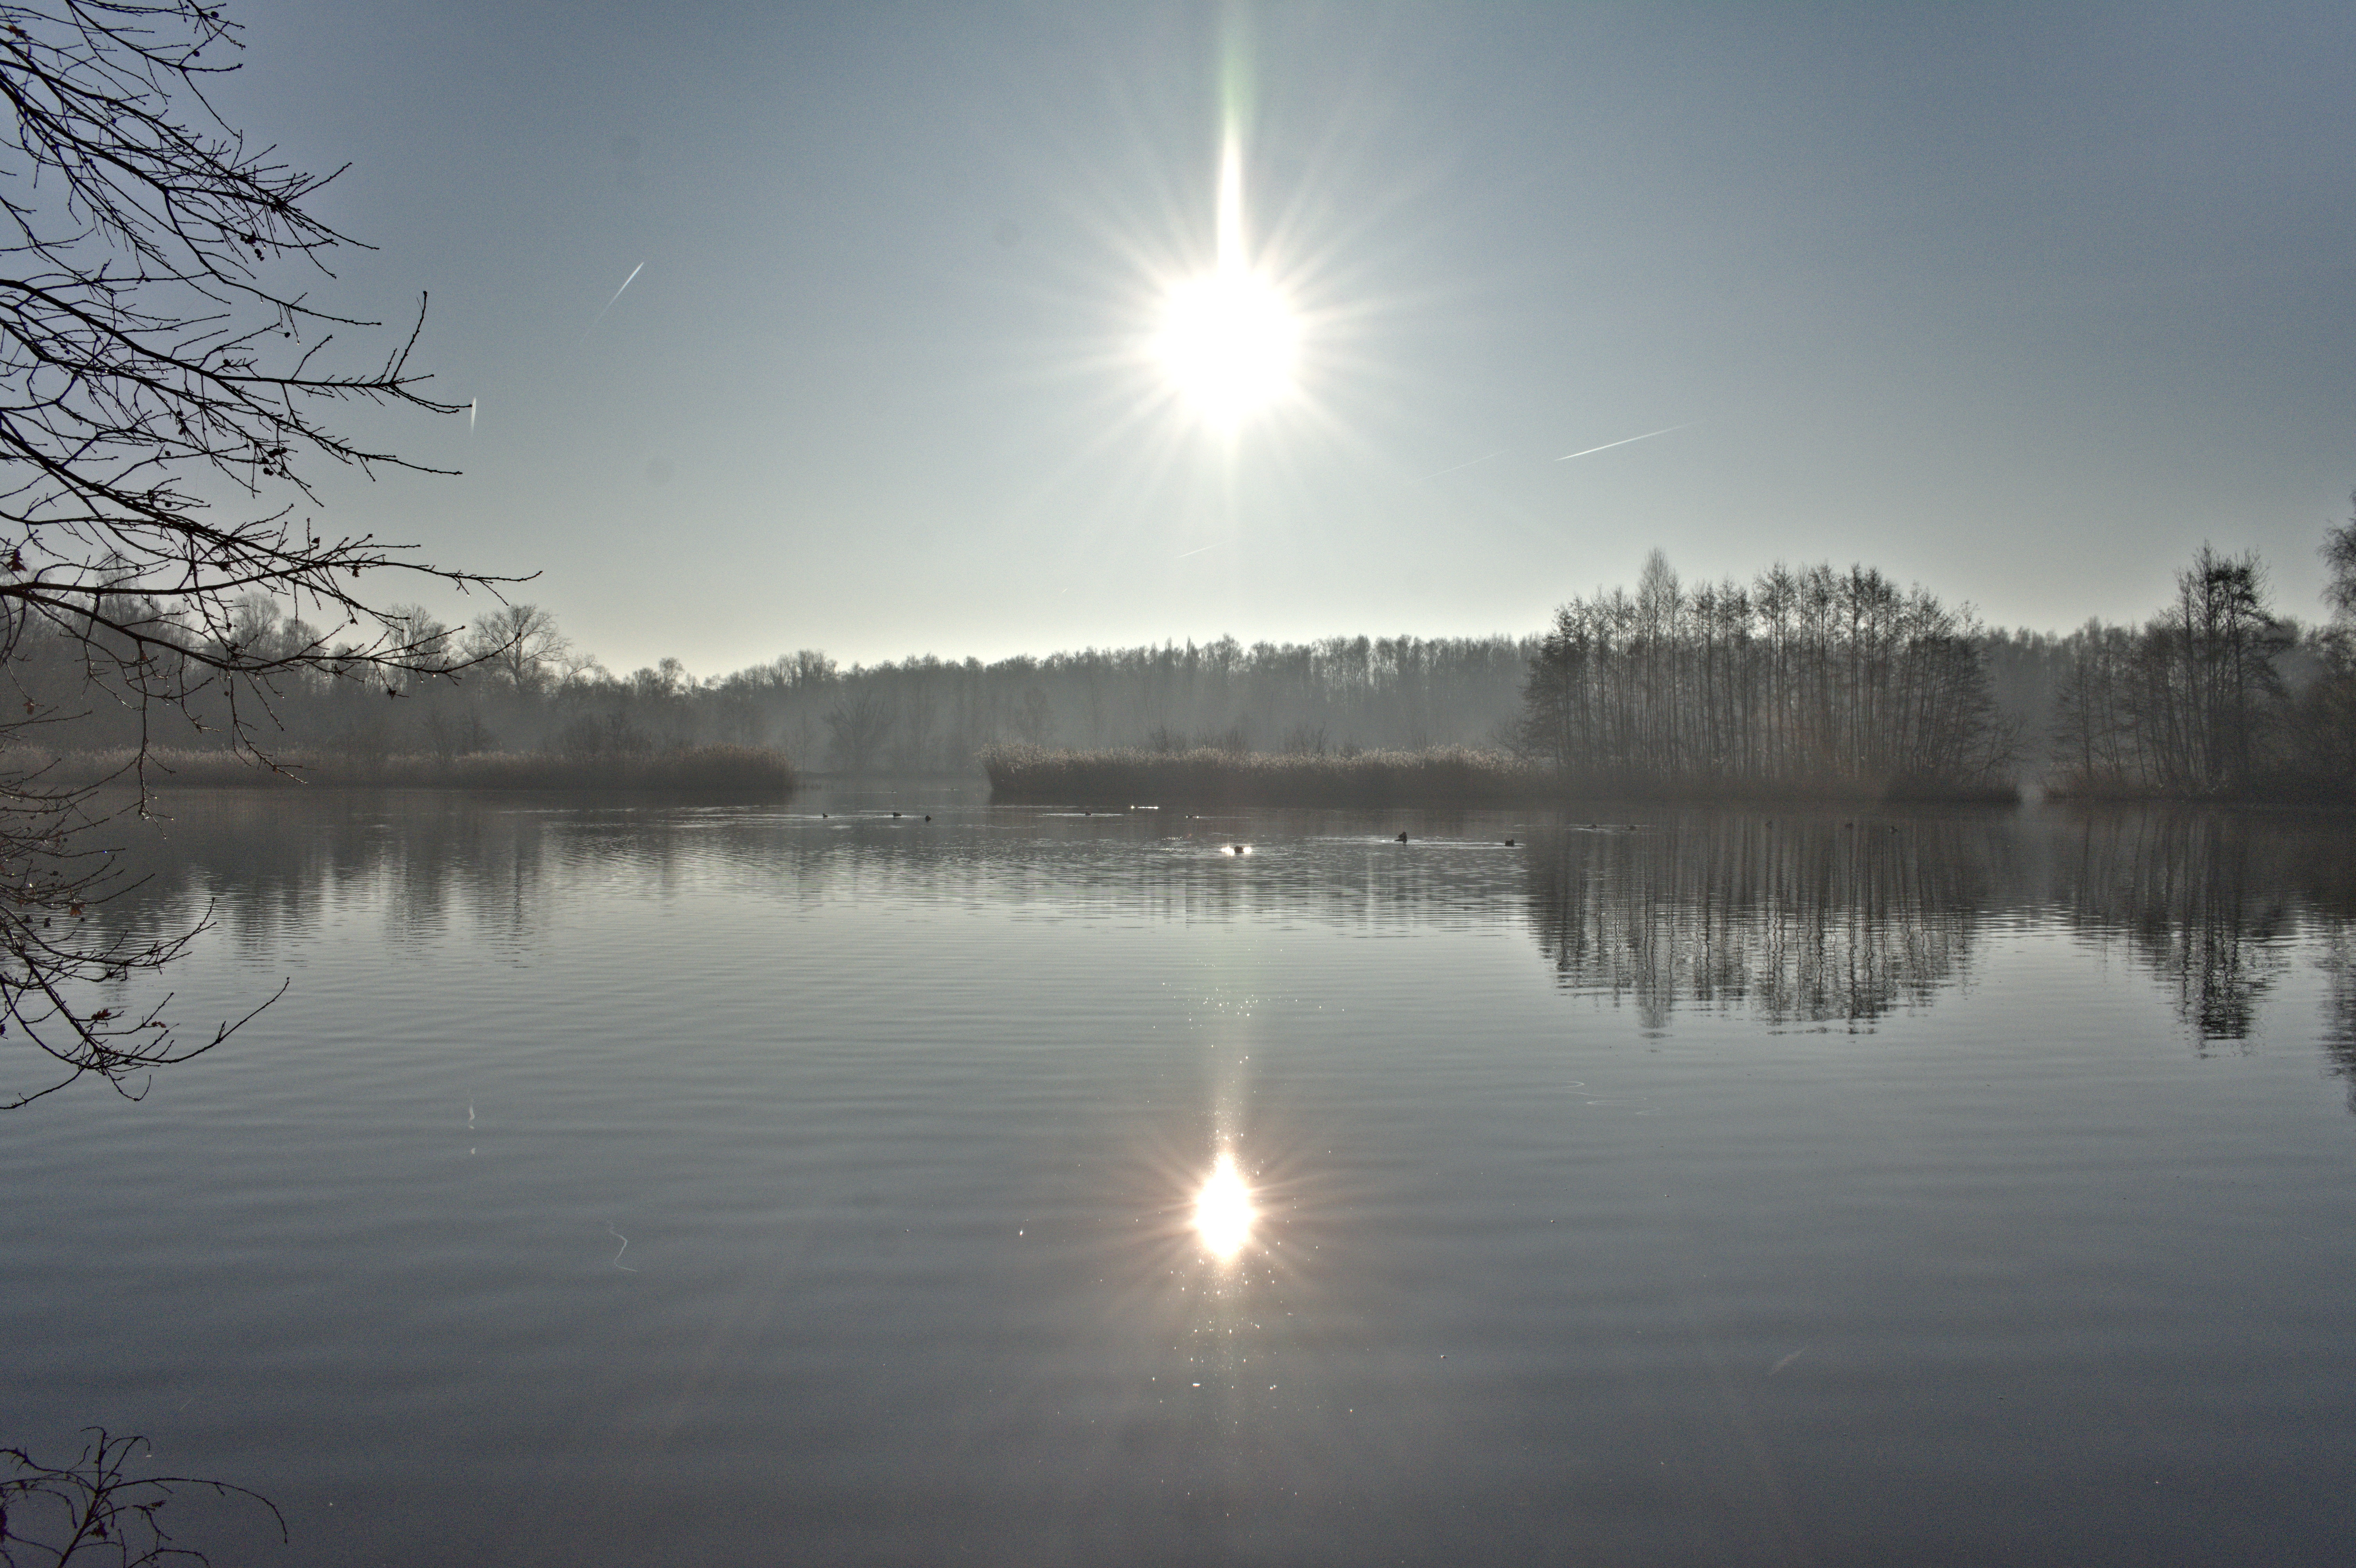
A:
(1437, 777)
(733, 772)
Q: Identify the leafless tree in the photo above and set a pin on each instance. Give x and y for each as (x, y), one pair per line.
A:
(858, 727)
(520, 644)
(2326, 720)
(2194, 703)
(2340, 557)
(164, 381)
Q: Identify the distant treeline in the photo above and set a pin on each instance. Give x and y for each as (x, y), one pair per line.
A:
(529, 691)
(1811, 679)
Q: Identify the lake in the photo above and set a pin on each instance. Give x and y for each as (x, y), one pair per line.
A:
(647, 1184)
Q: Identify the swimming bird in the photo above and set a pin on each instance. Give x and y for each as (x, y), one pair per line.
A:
(1402, 838)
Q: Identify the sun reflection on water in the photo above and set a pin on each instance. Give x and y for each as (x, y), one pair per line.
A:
(1224, 1211)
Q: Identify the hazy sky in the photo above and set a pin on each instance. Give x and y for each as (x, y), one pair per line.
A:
(2021, 303)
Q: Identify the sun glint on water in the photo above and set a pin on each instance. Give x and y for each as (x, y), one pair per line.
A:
(1224, 1211)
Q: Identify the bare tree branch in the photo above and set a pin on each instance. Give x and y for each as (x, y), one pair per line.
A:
(165, 386)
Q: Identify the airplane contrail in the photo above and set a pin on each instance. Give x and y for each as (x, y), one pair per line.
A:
(472, 404)
(1609, 445)
(617, 293)
(1461, 466)
(1197, 550)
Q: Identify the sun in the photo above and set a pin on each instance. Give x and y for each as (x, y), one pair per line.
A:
(1228, 342)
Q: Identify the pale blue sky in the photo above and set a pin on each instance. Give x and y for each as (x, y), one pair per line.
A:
(2020, 302)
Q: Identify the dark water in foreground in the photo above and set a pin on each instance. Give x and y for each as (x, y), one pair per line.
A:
(633, 1185)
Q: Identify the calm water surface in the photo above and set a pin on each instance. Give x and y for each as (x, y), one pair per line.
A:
(667, 1184)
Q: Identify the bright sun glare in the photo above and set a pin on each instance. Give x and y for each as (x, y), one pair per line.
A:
(1227, 343)
(1227, 340)
(1224, 1211)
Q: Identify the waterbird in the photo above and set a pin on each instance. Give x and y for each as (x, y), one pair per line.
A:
(1509, 844)
(1402, 838)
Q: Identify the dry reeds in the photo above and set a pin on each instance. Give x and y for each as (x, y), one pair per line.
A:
(1438, 776)
(734, 772)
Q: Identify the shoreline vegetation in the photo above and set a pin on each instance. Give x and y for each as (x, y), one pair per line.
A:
(729, 772)
(1449, 777)
(1805, 684)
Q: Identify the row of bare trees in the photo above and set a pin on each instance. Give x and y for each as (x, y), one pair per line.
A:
(1807, 679)
(2217, 696)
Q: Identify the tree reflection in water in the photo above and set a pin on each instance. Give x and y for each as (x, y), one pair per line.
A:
(1819, 919)
(2207, 902)
(2339, 1010)
(2215, 905)
(1825, 919)
(1795, 918)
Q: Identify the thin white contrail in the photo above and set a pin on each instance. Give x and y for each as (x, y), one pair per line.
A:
(1609, 445)
(1461, 466)
(1198, 550)
(617, 293)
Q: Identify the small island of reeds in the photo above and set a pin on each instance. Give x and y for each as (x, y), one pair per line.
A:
(1207, 776)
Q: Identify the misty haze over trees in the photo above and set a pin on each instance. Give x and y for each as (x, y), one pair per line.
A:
(532, 690)
(1803, 678)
